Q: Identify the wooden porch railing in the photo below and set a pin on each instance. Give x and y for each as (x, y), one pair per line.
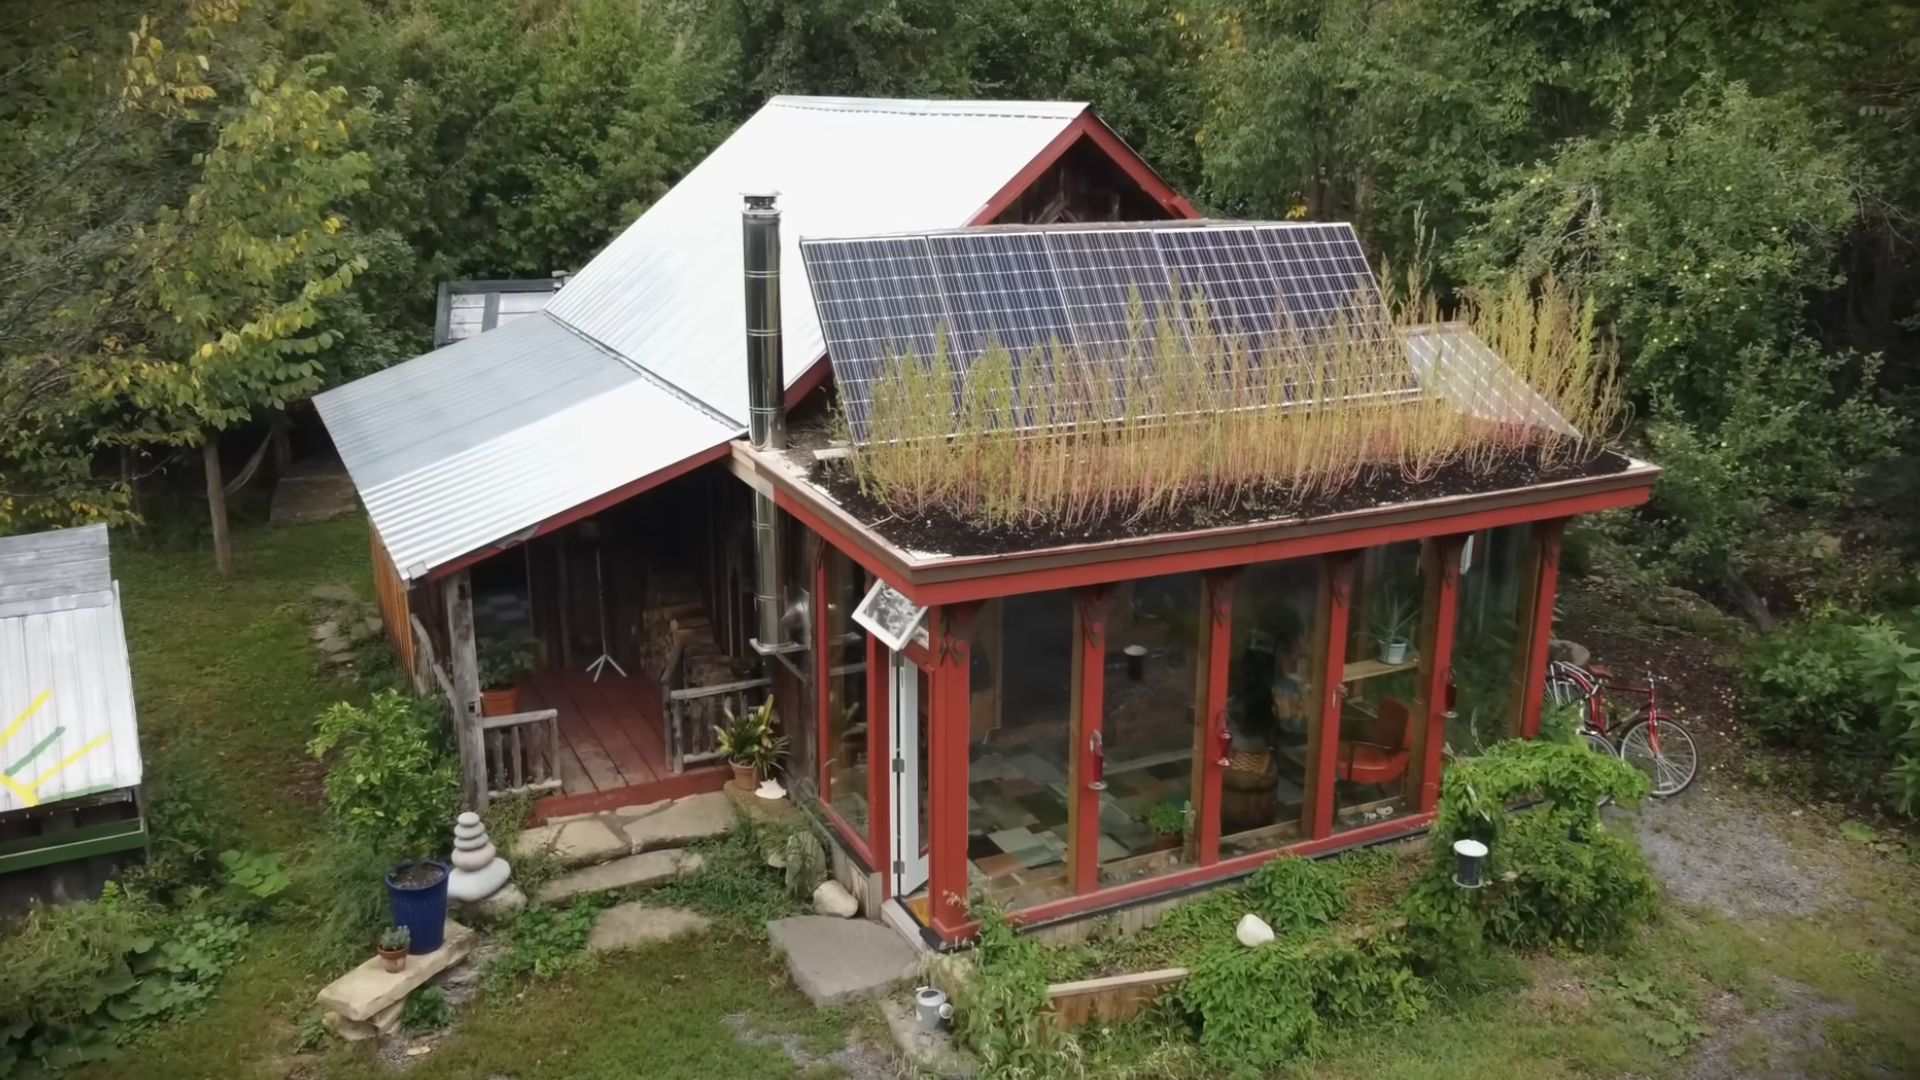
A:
(693, 713)
(523, 752)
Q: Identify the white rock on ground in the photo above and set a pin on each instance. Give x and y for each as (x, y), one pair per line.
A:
(1253, 931)
(579, 842)
(678, 822)
(632, 872)
(624, 926)
(832, 898)
(371, 988)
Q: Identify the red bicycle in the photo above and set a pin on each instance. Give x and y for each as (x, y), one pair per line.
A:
(1648, 739)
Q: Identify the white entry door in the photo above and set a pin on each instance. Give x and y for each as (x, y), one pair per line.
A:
(903, 700)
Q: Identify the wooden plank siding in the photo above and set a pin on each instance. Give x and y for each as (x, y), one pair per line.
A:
(391, 594)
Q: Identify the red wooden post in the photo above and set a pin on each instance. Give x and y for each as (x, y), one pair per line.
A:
(948, 734)
(1536, 626)
(1085, 773)
(879, 762)
(1211, 741)
(1441, 573)
(1323, 742)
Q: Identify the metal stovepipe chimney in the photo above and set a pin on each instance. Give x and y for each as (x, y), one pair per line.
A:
(766, 392)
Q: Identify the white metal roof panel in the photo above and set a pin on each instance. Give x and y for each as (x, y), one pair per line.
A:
(67, 724)
(520, 477)
(666, 294)
(639, 361)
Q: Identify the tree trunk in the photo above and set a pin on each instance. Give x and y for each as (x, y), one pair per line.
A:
(217, 506)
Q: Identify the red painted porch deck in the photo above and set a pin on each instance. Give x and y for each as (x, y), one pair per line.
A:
(613, 747)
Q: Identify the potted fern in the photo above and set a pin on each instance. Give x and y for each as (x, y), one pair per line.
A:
(749, 744)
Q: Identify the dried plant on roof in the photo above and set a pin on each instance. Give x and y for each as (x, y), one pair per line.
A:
(1190, 412)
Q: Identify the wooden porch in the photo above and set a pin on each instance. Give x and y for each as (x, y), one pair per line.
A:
(612, 745)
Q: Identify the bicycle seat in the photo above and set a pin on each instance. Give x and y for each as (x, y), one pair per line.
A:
(1600, 671)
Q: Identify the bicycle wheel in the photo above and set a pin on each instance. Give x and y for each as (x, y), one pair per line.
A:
(1671, 764)
(1599, 743)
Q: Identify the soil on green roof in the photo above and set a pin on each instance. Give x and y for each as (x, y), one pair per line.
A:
(941, 531)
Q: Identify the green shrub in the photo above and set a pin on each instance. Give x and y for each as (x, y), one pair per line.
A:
(806, 863)
(1001, 1011)
(1555, 874)
(79, 978)
(426, 1010)
(1847, 688)
(1296, 895)
(392, 782)
(545, 941)
(1259, 1008)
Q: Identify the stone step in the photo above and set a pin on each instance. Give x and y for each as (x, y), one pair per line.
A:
(676, 822)
(370, 989)
(632, 872)
(833, 961)
(624, 926)
(577, 842)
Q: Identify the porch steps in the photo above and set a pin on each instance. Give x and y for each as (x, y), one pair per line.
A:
(633, 847)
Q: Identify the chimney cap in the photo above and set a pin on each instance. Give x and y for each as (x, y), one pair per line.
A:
(760, 198)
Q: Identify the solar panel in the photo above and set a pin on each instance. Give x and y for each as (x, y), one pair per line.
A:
(1095, 297)
(1320, 272)
(878, 301)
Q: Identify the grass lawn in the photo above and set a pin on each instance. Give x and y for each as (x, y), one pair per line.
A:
(1793, 952)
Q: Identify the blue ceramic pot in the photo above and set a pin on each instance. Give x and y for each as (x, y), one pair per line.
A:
(422, 909)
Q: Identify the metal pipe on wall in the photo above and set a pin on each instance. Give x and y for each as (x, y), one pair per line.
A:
(766, 407)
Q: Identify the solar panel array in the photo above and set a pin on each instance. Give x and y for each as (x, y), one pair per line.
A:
(1090, 296)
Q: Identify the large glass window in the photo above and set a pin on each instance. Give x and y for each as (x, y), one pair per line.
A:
(1486, 640)
(1274, 665)
(1380, 706)
(794, 694)
(1021, 735)
(1152, 675)
(847, 719)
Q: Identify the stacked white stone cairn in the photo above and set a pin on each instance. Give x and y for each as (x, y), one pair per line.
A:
(480, 879)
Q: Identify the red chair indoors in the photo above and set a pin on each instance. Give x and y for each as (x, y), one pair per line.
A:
(1366, 762)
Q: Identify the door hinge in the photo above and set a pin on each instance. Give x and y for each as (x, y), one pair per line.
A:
(899, 765)
(899, 869)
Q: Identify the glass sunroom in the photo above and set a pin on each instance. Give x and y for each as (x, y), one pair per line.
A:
(1072, 706)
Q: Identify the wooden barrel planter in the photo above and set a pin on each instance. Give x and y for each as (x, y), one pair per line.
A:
(1247, 791)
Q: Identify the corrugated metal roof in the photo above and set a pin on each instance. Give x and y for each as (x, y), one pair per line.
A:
(66, 690)
(639, 362)
(666, 294)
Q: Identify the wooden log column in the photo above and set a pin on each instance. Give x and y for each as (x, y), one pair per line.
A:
(1440, 580)
(463, 661)
(1323, 735)
(1540, 583)
(1211, 740)
(948, 735)
(1084, 767)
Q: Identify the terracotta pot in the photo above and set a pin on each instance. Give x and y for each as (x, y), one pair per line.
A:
(394, 959)
(500, 702)
(744, 775)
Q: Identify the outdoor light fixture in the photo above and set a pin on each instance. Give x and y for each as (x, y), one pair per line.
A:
(1471, 857)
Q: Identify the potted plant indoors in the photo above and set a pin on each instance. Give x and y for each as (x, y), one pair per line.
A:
(749, 743)
(417, 892)
(501, 663)
(1392, 622)
(394, 941)
(1168, 820)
